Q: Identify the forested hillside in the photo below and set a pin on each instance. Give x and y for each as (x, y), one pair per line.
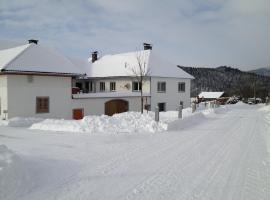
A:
(230, 80)
(265, 71)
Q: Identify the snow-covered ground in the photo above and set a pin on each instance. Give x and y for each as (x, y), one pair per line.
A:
(221, 154)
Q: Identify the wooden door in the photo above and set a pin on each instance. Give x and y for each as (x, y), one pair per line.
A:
(78, 113)
(116, 106)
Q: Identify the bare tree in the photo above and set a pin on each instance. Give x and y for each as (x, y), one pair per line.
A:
(141, 72)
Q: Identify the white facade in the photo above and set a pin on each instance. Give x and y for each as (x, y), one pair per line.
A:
(96, 106)
(171, 97)
(24, 89)
(122, 84)
(3, 95)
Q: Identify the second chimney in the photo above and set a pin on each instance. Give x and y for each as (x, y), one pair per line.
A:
(94, 56)
(147, 46)
(33, 41)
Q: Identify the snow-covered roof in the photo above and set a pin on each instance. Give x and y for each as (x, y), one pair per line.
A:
(211, 95)
(36, 58)
(120, 65)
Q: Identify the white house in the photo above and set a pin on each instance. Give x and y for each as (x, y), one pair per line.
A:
(35, 81)
(39, 82)
(111, 78)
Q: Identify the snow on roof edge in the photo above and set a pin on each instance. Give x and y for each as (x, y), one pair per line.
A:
(17, 54)
(210, 94)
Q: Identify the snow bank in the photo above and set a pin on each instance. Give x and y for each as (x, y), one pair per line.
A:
(20, 121)
(59, 125)
(215, 111)
(14, 178)
(192, 120)
(265, 109)
(127, 122)
(3, 123)
(170, 116)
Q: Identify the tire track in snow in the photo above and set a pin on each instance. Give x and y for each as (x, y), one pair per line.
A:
(257, 179)
(78, 179)
(169, 147)
(247, 149)
(165, 180)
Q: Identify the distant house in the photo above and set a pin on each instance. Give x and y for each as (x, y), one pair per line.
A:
(36, 81)
(210, 96)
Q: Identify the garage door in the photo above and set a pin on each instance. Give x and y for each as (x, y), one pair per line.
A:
(116, 106)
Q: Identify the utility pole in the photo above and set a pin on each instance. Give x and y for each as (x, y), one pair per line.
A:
(254, 90)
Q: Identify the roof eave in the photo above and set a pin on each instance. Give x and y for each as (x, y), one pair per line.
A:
(3, 71)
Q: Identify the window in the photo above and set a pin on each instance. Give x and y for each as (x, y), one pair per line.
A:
(88, 86)
(136, 86)
(182, 103)
(42, 104)
(79, 85)
(112, 86)
(91, 87)
(102, 86)
(162, 107)
(161, 86)
(181, 87)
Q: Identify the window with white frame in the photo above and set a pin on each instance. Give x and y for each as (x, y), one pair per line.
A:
(136, 86)
(91, 86)
(102, 86)
(161, 86)
(181, 87)
(112, 86)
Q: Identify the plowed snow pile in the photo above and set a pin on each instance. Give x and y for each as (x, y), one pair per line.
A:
(13, 174)
(20, 121)
(128, 122)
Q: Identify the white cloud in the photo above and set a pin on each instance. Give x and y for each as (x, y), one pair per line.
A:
(189, 32)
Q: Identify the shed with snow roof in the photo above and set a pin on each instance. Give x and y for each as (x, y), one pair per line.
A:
(209, 96)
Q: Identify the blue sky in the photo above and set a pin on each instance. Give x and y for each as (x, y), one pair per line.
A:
(187, 32)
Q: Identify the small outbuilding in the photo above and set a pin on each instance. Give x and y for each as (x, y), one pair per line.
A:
(210, 96)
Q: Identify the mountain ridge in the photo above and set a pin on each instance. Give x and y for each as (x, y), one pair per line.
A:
(230, 80)
(264, 71)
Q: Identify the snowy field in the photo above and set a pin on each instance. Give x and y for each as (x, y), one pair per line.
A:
(221, 154)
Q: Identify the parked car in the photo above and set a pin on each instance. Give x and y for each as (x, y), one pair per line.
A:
(254, 100)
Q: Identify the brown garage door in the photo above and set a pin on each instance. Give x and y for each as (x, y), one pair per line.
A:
(78, 113)
(116, 106)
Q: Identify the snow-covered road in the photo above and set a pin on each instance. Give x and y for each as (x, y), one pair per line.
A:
(226, 156)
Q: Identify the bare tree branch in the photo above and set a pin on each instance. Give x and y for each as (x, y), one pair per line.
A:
(140, 71)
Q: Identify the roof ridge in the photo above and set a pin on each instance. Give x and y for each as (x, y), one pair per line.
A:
(129, 52)
(18, 55)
